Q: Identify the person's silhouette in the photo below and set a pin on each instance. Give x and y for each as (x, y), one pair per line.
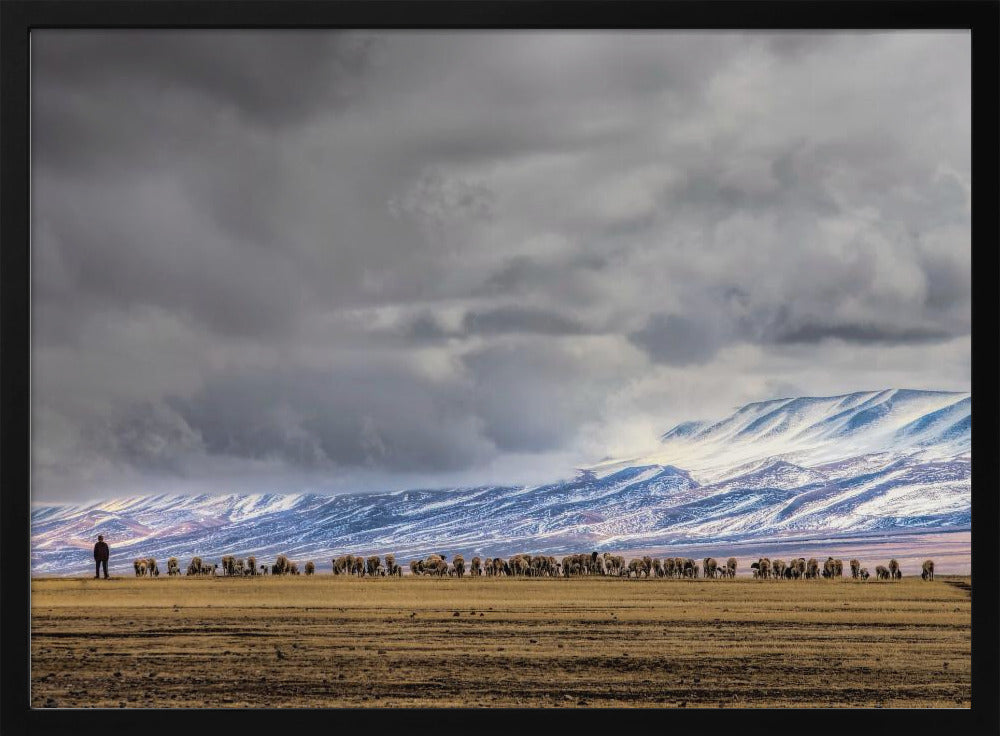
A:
(101, 555)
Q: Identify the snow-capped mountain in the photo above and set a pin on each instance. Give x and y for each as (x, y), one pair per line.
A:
(873, 462)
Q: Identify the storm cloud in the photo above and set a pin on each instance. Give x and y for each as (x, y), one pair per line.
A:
(340, 261)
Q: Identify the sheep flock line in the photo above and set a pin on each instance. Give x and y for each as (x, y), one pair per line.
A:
(525, 565)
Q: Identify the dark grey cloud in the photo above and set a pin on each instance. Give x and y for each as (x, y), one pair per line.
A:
(862, 333)
(368, 416)
(179, 82)
(678, 340)
(523, 320)
(367, 259)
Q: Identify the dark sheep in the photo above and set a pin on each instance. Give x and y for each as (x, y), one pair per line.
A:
(927, 570)
(894, 572)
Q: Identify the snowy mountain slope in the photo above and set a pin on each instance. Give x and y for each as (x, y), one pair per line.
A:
(887, 461)
(811, 430)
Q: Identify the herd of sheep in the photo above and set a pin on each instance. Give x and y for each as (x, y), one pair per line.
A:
(524, 565)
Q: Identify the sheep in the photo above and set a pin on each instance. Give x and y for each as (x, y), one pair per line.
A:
(342, 564)
(894, 572)
(731, 567)
(282, 565)
(519, 564)
(778, 568)
(800, 568)
(710, 565)
(173, 566)
(310, 567)
(855, 568)
(763, 568)
(927, 570)
(690, 568)
(829, 567)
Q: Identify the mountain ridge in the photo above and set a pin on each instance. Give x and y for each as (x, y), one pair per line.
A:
(890, 461)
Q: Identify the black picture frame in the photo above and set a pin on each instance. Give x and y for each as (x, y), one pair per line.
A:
(19, 17)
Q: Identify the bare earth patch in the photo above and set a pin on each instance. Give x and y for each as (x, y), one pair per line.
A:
(335, 642)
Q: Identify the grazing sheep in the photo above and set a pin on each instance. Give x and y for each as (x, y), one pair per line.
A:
(927, 570)
(855, 569)
(881, 572)
(894, 572)
(519, 564)
(173, 566)
(310, 568)
(763, 568)
(341, 565)
(358, 566)
(812, 568)
(710, 565)
(800, 568)
(282, 565)
(731, 568)
(778, 568)
(829, 567)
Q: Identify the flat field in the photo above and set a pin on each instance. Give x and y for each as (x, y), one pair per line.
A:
(328, 641)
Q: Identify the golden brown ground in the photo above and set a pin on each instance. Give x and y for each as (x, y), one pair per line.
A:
(336, 642)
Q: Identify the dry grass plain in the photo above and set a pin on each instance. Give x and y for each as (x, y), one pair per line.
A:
(422, 642)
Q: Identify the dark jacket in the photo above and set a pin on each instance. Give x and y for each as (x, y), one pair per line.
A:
(101, 551)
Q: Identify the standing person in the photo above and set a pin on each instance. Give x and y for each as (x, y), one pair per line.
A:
(101, 554)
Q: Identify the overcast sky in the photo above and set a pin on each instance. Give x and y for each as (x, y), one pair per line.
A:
(328, 261)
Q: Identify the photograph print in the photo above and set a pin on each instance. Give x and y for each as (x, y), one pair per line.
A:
(500, 369)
